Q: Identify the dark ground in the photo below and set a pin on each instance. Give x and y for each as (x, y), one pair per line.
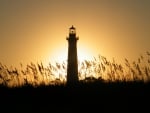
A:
(84, 98)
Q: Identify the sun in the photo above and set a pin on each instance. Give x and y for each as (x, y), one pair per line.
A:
(84, 54)
(61, 55)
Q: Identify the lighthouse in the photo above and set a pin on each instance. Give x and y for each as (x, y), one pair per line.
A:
(72, 66)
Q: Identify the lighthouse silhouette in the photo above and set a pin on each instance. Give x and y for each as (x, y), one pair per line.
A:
(72, 66)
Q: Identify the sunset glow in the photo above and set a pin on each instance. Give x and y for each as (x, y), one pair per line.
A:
(74, 56)
(37, 30)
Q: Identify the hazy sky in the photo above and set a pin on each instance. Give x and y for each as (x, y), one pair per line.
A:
(36, 30)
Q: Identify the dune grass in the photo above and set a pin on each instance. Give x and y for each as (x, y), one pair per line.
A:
(98, 69)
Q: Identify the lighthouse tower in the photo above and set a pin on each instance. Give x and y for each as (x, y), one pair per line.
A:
(72, 66)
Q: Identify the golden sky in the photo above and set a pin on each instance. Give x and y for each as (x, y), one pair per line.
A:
(36, 30)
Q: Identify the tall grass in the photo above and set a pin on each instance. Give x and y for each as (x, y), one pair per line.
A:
(99, 69)
(32, 74)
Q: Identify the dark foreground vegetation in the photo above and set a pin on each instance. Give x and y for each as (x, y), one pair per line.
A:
(105, 86)
(129, 97)
(99, 68)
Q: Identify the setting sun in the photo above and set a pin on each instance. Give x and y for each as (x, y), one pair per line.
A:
(84, 54)
(61, 55)
(60, 52)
